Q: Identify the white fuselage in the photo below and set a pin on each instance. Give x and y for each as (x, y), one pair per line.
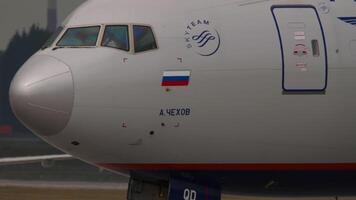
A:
(234, 110)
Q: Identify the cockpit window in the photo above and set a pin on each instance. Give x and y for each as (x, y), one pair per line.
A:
(53, 37)
(144, 38)
(80, 37)
(116, 36)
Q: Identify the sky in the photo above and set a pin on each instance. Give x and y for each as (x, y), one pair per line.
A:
(21, 14)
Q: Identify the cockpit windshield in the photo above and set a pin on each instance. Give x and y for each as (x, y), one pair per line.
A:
(130, 38)
(116, 36)
(53, 37)
(80, 37)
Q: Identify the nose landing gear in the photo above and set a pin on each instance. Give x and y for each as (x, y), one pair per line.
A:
(174, 189)
(140, 189)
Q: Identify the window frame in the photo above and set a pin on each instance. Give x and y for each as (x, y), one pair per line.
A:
(66, 29)
(128, 35)
(53, 46)
(55, 40)
(101, 33)
(133, 38)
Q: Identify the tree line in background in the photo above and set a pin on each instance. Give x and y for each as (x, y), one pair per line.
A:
(21, 47)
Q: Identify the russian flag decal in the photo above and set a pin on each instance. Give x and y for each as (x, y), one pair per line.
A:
(176, 78)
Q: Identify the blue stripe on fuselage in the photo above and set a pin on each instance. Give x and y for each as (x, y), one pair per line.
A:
(176, 78)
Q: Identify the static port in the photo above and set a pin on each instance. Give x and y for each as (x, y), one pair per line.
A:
(75, 143)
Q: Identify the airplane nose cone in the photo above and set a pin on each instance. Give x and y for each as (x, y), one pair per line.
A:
(42, 95)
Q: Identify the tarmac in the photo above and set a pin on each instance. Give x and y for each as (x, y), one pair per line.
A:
(70, 180)
(73, 185)
(49, 190)
(25, 193)
(22, 193)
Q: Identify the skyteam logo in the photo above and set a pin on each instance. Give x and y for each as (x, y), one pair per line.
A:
(349, 20)
(202, 37)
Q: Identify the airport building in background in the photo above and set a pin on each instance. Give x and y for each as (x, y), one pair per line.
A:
(52, 15)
